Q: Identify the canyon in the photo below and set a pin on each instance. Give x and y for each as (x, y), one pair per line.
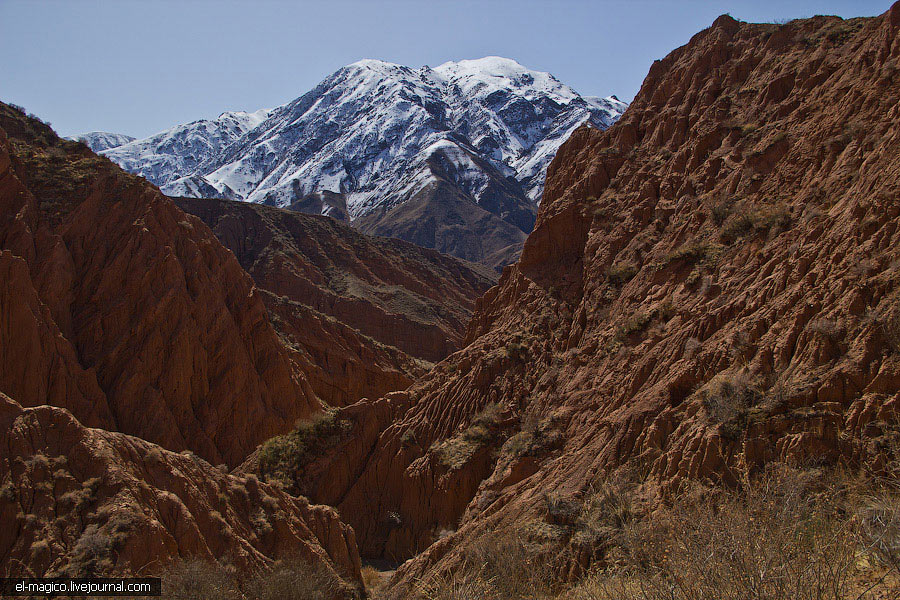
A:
(708, 296)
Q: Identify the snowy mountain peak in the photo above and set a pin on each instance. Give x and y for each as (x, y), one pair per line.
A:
(178, 152)
(374, 64)
(483, 76)
(377, 135)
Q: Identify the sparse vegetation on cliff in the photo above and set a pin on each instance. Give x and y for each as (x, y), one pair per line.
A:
(282, 456)
(787, 535)
(454, 452)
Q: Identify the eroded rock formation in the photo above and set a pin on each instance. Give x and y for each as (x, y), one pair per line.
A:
(367, 313)
(88, 502)
(710, 286)
(124, 310)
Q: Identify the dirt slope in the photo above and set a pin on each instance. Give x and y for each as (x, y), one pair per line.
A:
(86, 502)
(367, 313)
(711, 285)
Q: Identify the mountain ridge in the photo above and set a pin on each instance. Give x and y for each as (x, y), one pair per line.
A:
(371, 134)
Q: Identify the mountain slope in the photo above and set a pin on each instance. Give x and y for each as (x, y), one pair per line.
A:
(380, 135)
(101, 140)
(122, 309)
(366, 312)
(169, 155)
(710, 287)
(84, 502)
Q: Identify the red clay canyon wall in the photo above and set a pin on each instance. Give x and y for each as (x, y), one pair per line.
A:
(129, 313)
(710, 286)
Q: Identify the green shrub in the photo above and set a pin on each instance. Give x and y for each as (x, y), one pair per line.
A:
(484, 429)
(691, 253)
(281, 457)
(743, 222)
(634, 324)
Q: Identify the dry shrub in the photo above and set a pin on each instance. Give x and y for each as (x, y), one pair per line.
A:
(890, 328)
(788, 537)
(296, 580)
(197, 580)
(879, 528)
(828, 329)
(727, 398)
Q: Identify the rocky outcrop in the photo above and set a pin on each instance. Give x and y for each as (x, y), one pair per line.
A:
(124, 310)
(710, 287)
(86, 502)
(366, 314)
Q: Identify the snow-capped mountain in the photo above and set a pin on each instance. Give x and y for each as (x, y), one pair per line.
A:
(102, 140)
(177, 152)
(474, 134)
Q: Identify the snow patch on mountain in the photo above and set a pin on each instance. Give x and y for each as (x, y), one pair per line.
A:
(176, 153)
(102, 140)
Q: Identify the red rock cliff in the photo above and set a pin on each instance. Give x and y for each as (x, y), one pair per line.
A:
(366, 312)
(129, 313)
(710, 286)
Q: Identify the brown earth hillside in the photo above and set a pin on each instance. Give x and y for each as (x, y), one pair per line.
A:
(368, 314)
(86, 502)
(711, 286)
(119, 307)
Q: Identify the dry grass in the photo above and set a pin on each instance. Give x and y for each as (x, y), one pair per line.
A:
(780, 540)
(456, 451)
(496, 567)
(295, 581)
(790, 534)
(372, 579)
(289, 580)
(198, 580)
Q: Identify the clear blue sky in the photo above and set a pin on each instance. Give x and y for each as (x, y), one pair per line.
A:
(138, 67)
